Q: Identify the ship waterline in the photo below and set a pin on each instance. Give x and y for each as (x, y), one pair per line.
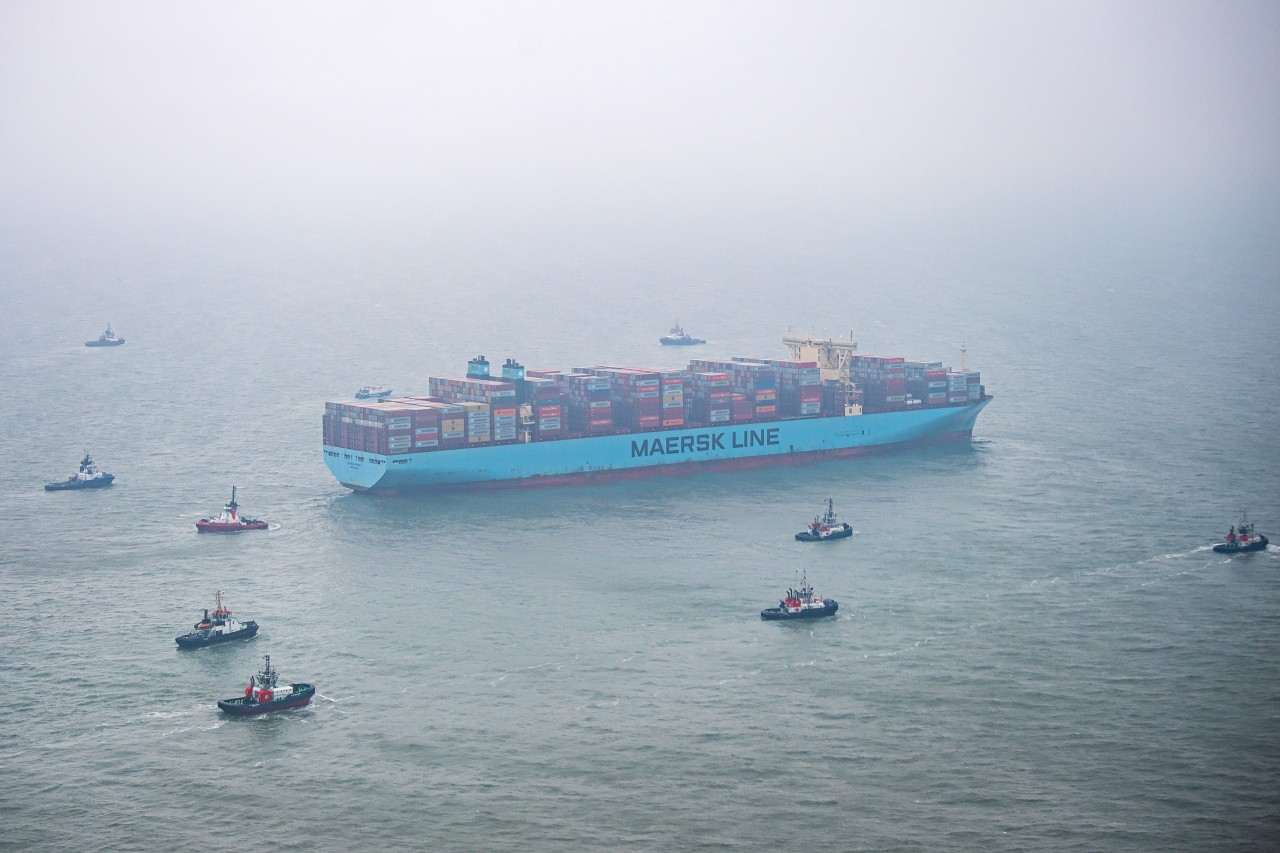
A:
(657, 453)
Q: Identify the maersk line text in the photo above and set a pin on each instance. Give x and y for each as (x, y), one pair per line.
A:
(704, 441)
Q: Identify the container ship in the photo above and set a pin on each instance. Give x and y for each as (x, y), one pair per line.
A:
(530, 427)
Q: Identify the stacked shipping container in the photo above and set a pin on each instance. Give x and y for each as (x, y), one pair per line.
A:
(590, 404)
(546, 401)
(479, 410)
(710, 399)
(755, 386)
(799, 386)
(636, 395)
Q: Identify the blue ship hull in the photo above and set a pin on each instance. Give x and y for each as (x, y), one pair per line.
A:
(660, 452)
(98, 483)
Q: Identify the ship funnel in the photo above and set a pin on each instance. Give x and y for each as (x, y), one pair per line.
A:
(512, 370)
(478, 368)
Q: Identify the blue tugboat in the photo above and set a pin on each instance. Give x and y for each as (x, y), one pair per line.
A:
(677, 338)
(1242, 539)
(825, 527)
(373, 392)
(106, 339)
(264, 694)
(222, 627)
(802, 603)
(88, 477)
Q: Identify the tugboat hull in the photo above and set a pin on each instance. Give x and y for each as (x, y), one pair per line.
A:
(829, 608)
(237, 527)
(844, 531)
(242, 706)
(98, 483)
(680, 342)
(1258, 544)
(196, 640)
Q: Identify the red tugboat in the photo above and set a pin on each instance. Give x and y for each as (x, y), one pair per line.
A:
(265, 693)
(229, 520)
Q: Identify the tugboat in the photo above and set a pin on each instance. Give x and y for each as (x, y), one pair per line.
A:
(88, 477)
(373, 392)
(1241, 538)
(825, 527)
(677, 338)
(802, 603)
(222, 628)
(264, 694)
(106, 339)
(228, 521)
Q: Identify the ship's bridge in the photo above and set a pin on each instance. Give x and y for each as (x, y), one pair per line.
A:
(833, 356)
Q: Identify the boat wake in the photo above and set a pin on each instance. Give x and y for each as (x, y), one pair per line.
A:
(330, 699)
(1078, 586)
(167, 715)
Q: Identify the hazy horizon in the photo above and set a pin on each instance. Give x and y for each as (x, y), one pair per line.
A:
(520, 119)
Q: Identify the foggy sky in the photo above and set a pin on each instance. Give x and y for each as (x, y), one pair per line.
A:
(153, 110)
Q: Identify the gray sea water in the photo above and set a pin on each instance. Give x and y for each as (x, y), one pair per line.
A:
(1035, 649)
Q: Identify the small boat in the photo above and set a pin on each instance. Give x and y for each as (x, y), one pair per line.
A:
(229, 521)
(802, 603)
(106, 339)
(88, 477)
(373, 392)
(677, 337)
(825, 527)
(1241, 539)
(265, 693)
(222, 627)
